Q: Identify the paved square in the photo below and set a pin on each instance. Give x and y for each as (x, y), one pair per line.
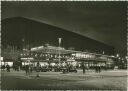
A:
(106, 80)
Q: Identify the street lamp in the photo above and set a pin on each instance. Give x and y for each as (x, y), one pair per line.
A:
(103, 52)
(59, 40)
(117, 55)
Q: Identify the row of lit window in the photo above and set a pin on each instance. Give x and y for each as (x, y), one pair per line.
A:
(80, 55)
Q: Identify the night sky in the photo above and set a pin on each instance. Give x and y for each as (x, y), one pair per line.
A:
(102, 21)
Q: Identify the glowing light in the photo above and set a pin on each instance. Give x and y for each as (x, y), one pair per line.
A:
(117, 55)
(10, 63)
(35, 55)
(1, 59)
(73, 54)
(112, 56)
(26, 58)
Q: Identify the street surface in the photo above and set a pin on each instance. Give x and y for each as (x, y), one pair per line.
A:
(106, 80)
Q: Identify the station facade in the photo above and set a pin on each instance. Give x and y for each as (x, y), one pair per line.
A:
(57, 55)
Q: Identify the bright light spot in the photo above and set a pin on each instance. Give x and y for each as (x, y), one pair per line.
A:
(1, 59)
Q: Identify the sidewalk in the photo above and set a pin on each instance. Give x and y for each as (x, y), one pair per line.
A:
(112, 73)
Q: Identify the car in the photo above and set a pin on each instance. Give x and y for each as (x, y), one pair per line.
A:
(44, 69)
(73, 69)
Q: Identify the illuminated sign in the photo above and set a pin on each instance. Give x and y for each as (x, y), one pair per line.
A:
(70, 60)
(26, 58)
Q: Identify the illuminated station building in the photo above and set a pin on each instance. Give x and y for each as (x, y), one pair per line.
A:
(74, 47)
(51, 55)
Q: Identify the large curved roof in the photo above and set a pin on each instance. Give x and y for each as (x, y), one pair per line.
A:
(102, 21)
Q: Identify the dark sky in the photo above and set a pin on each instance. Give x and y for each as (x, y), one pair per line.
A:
(102, 21)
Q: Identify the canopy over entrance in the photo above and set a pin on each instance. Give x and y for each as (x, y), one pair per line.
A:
(52, 50)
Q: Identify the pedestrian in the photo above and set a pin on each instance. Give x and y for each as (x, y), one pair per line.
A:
(27, 69)
(96, 69)
(8, 68)
(31, 68)
(3, 67)
(38, 69)
(16, 67)
(99, 69)
(83, 67)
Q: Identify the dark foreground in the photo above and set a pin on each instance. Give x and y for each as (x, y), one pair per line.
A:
(107, 80)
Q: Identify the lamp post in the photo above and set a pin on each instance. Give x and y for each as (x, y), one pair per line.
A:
(59, 40)
(103, 52)
(118, 60)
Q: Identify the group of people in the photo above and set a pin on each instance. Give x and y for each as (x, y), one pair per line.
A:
(7, 67)
(96, 68)
(64, 68)
(16, 67)
(29, 68)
